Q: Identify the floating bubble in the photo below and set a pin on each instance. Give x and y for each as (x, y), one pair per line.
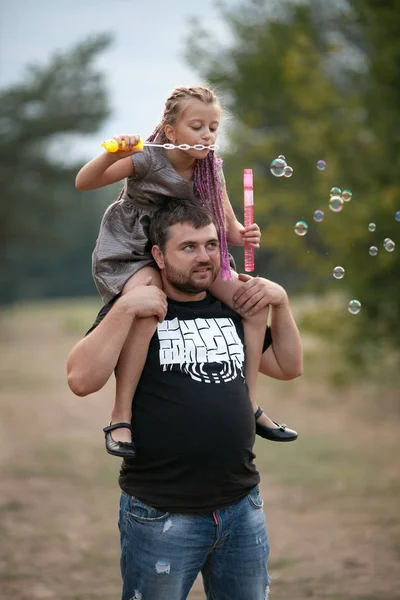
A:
(373, 250)
(389, 244)
(318, 216)
(338, 272)
(277, 167)
(288, 171)
(397, 216)
(335, 191)
(354, 307)
(371, 227)
(321, 164)
(336, 203)
(301, 228)
(281, 157)
(346, 195)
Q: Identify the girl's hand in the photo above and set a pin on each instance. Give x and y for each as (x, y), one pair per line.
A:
(251, 235)
(128, 148)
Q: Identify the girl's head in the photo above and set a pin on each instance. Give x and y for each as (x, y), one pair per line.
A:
(192, 116)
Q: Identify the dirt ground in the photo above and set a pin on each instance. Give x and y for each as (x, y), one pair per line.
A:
(331, 498)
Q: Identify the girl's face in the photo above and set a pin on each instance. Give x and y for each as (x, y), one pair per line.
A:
(198, 124)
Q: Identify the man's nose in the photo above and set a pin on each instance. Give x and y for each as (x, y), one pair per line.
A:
(202, 254)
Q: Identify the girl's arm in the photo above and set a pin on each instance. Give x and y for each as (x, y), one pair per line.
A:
(236, 234)
(109, 167)
(233, 227)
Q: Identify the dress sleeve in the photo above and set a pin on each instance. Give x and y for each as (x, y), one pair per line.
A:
(142, 163)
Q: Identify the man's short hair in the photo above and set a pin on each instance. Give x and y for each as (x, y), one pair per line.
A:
(176, 210)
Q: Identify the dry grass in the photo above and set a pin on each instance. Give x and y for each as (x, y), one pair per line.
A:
(331, 499)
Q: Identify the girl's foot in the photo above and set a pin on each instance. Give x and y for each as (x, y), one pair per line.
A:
(121, 448)
(270, 430)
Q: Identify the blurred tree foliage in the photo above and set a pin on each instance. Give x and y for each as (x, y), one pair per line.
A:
(316, 80)
(47, 230)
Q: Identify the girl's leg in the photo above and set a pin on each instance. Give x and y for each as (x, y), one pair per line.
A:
(132, 358)
(254, 334)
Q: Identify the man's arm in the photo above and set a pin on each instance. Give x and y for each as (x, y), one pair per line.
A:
(93, 360)
(283, 359)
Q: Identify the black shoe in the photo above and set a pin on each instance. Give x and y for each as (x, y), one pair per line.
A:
(122, 449)
(279, 434)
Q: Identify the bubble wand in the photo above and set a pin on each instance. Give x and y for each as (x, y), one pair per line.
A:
(112, 146)
(248, 217)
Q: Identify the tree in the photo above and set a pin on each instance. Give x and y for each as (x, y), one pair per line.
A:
(304, 80)
(40, 210)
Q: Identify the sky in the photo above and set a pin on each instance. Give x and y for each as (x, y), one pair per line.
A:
(145, 62)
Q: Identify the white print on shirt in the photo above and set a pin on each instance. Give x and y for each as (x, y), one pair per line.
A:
(209, 350)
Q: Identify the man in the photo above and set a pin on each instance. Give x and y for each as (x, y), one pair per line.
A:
(190, 501)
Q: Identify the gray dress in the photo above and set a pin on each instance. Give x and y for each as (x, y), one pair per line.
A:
(123, 245)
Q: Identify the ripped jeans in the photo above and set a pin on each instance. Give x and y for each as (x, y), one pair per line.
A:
(162, 553)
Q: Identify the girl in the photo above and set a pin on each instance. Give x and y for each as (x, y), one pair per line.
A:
(122, 257)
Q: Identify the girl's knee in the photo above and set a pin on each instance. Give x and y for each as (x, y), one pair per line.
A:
(146, 276)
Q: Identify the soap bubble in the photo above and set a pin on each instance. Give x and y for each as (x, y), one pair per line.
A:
(354, 307)
(318, 216)
(371, 227)
(397, 216)
(346, 195)
(301, 228)
(336, 203)
(277, 167)
(288, 171)
(281, 157)
(335, 191)
(321, 164)
(389, 244)
(373, 250)
(338, 272)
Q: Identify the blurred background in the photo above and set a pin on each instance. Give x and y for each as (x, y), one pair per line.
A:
(315, 80)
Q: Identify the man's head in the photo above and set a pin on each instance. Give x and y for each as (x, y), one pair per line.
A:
(186, 248)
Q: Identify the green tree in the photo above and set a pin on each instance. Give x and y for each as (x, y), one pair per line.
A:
(44, 224)
(308, 81)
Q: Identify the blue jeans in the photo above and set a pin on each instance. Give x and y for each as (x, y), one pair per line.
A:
(162, 553)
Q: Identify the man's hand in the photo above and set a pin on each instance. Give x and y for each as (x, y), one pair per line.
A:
(145, 301)
(256, 293)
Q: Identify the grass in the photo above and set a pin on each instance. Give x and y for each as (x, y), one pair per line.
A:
(331, 498)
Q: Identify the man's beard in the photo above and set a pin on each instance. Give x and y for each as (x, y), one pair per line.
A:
(183, 282)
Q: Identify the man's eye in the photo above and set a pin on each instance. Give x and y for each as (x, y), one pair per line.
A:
(213, 245)
(188, 247)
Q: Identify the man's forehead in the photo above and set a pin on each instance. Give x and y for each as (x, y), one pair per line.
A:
(180, 232)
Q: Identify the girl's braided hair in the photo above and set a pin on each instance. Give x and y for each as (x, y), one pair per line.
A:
(207, 185)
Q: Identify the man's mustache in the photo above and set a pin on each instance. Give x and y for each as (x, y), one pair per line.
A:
(202, 266)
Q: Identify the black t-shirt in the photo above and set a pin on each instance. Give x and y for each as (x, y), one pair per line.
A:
(193, 423)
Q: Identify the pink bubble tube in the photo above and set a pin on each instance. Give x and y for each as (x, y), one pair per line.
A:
(248, 217)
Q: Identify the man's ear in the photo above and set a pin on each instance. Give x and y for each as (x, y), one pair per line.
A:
(158, 256)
